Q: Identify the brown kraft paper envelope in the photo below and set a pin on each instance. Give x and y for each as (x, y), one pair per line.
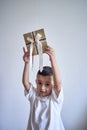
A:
(32, 36)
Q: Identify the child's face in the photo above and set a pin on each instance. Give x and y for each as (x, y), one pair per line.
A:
(44, 85)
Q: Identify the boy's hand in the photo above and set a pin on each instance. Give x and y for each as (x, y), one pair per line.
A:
(49, 50)
(26, 57)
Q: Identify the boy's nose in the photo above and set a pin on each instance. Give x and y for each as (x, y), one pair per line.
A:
(43, 87)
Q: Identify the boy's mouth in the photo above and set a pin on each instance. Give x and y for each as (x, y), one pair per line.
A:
(43, 92)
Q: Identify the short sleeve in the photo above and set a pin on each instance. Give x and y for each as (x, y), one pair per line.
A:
(58, 99)
(29, 94)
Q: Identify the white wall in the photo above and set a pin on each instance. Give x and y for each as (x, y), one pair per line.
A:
(65, 24)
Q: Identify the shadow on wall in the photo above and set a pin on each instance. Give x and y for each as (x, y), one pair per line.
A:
(82, 123)
(82, 126)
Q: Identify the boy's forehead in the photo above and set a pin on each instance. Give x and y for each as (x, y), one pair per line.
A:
(41, 77)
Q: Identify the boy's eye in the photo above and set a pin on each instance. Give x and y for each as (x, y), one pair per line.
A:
(47, 84)
(39, 83)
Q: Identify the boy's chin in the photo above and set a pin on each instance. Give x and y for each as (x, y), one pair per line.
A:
(44, 94)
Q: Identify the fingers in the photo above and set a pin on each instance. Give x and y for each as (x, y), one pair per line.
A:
(26, 53)
(48, 48)
(24, 50)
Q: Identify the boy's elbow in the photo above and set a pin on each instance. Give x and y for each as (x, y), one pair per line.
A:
(26, 85)
(58, 86)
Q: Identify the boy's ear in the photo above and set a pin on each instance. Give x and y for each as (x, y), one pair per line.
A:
(36, 80)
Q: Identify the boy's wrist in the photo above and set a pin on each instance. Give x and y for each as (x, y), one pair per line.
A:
(52, 58)
(26, 62)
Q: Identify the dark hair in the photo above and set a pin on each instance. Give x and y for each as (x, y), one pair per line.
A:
(47, 71)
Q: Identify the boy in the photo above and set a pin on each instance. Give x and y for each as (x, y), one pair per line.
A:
(46, 99)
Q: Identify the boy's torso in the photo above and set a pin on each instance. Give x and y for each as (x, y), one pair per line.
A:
(44, 113)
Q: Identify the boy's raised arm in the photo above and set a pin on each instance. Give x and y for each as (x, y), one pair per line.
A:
(25, 77)
(56, 72)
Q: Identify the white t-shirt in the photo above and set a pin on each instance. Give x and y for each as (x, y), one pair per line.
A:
(44, 111)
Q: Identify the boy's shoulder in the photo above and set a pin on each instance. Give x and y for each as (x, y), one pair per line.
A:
(34, 94)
